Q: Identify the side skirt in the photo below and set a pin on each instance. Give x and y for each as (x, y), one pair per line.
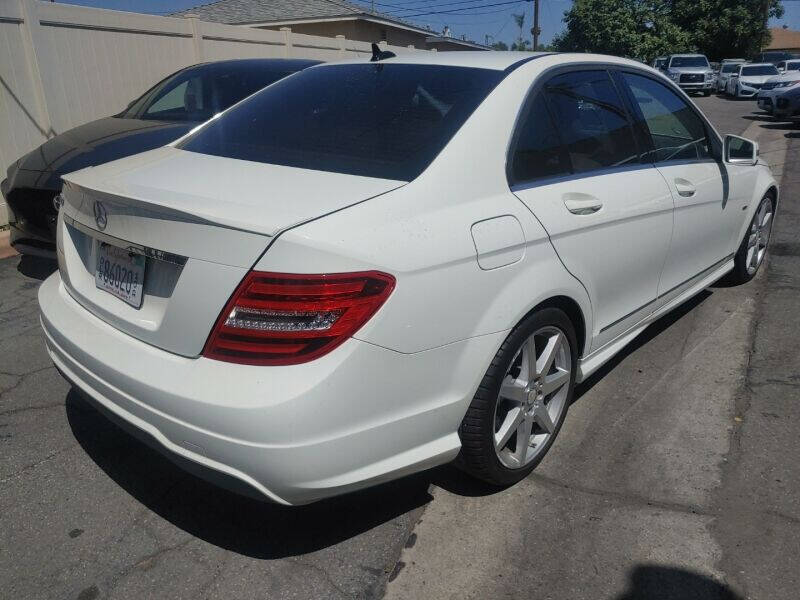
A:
(590, 363)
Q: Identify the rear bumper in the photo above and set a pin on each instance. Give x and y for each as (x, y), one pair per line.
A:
(358, 416)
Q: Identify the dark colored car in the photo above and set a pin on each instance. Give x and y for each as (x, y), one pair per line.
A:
(163, 114)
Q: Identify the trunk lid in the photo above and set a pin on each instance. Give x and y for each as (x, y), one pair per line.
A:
(200, 221)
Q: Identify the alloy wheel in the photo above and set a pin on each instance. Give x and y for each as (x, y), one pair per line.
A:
(533, 397)
(759, 236)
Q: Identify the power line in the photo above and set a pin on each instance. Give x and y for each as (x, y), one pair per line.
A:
(457, 10)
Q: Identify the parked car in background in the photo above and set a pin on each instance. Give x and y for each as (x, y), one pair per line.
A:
(368, 269)
(725, 71)
(787, 103)
(162, 114)
(789, 65)
(748, 79)
(777, 85)
(691, 72)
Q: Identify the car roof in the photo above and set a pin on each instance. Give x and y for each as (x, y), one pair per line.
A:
(292, 63)
(761, 64)
(686, 55)
(480, 59)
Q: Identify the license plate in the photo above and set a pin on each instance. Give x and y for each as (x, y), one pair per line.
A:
(120, 272)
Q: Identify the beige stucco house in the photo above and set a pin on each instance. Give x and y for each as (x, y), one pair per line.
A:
(327, 18)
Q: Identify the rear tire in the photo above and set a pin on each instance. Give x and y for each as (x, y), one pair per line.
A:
(535, 367)
(753, 248)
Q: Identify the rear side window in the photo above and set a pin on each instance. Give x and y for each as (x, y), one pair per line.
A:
(676, 130)
(538, 153)
(592, 121)
(376, 120)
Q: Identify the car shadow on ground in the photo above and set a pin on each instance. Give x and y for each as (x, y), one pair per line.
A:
(250, 527)
(780, 125)
(36, 267)
(657, 582)
(760, 117)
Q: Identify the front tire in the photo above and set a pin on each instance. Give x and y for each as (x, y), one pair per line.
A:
(522, 400)
(753, 248)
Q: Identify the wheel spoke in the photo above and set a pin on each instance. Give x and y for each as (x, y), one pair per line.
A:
(555, 381)
(753, 254)
(509, 426)
(766, 219)
(761, 212)
(548, 355)
(528, 361)
(542, 416)
(523, 439)
(513, 389)
(752, 240)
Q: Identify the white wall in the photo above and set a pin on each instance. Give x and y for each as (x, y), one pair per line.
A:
(64, 65)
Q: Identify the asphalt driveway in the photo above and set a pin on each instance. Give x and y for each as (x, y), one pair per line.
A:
(677, 474)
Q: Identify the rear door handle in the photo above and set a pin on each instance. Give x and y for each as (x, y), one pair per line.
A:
(685, 188)
(582, 204)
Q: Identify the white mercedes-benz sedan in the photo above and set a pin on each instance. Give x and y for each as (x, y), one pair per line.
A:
(371, 268)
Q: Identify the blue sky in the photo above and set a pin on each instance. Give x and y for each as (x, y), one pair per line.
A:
(472, 20)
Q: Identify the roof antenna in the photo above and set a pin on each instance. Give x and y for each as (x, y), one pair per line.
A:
(378, 54)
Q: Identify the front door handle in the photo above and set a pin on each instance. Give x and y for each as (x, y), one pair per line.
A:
(582, 204)
(685, 188)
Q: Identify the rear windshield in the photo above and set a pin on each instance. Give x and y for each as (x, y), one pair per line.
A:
(688, 61)
(730, 67)
(376, 120)
(762, 70)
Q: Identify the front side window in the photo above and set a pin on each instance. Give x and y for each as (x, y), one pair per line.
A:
(793, 65)
(759, 70)
(592, 121)
(677, 132)
(538, 153)
(688, 61)
(376, 120)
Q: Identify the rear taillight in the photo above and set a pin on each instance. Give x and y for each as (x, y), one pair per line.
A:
(287, 319)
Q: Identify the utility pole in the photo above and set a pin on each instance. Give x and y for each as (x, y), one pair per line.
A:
(536, 30)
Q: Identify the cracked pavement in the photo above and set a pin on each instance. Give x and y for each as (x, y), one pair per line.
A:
(675, 475)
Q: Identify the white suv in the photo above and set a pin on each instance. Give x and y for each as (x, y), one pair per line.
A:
(367, 269)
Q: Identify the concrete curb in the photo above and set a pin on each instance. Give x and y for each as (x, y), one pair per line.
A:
(6, 251)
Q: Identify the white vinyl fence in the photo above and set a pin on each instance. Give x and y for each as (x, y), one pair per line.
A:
(64, 65)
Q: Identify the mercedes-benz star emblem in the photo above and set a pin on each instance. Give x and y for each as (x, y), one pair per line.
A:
(100, 216)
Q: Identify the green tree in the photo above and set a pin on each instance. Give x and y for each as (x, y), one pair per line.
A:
(647, 28)
(727, 28)
(500, 46)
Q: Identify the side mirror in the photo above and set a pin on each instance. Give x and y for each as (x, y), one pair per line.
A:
(740, 151)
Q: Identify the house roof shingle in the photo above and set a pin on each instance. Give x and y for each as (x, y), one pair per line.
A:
(257, 11)
(783, 39)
